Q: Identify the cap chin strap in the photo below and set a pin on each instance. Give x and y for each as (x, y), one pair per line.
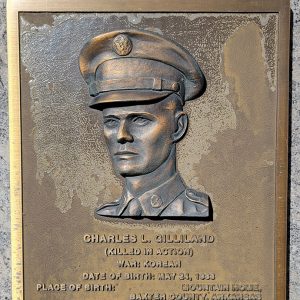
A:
(138, 83)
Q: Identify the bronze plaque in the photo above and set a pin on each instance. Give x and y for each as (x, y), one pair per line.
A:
(149, 149)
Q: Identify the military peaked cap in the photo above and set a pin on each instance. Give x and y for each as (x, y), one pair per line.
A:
(130, 66)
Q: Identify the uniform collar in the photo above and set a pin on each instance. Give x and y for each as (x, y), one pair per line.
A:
(154, 201)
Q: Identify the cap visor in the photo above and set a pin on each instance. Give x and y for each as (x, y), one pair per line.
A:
(126, 97)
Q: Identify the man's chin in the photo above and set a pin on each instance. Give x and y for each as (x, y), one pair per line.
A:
(128, 171)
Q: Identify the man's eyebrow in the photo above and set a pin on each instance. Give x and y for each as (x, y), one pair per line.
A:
(130, 115)
(144, 114)
(111, 116)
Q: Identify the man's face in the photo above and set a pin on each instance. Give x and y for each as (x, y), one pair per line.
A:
(139, 137)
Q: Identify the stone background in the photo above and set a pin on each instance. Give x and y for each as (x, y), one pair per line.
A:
(294, 238)
(294, 230)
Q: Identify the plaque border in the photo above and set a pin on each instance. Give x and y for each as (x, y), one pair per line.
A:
(281, 7)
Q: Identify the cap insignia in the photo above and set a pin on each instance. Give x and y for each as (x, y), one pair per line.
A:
(122, 44)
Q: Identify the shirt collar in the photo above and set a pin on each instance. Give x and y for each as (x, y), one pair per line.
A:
(154, 201)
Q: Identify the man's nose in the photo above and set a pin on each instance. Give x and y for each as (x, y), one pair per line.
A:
(124, 135)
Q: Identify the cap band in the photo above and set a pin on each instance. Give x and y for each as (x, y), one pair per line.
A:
(139, 83)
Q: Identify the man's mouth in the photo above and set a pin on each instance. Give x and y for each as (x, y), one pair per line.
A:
(125, 154)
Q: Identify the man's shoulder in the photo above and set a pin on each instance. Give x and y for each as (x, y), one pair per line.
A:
(109, 209)
(196, 197)
(191, 204)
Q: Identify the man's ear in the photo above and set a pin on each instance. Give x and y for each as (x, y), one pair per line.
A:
(181, 120)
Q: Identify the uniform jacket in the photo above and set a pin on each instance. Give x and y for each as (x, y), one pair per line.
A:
(171, 199)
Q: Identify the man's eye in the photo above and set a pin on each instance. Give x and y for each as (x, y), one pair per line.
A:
(140, 121)
(111, 123)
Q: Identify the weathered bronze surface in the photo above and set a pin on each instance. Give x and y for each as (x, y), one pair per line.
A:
(64, 167)
(140, 81)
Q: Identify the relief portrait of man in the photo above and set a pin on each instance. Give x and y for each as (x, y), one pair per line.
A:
(140, 82)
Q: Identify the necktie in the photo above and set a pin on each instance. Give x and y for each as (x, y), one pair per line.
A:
(134, 208)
